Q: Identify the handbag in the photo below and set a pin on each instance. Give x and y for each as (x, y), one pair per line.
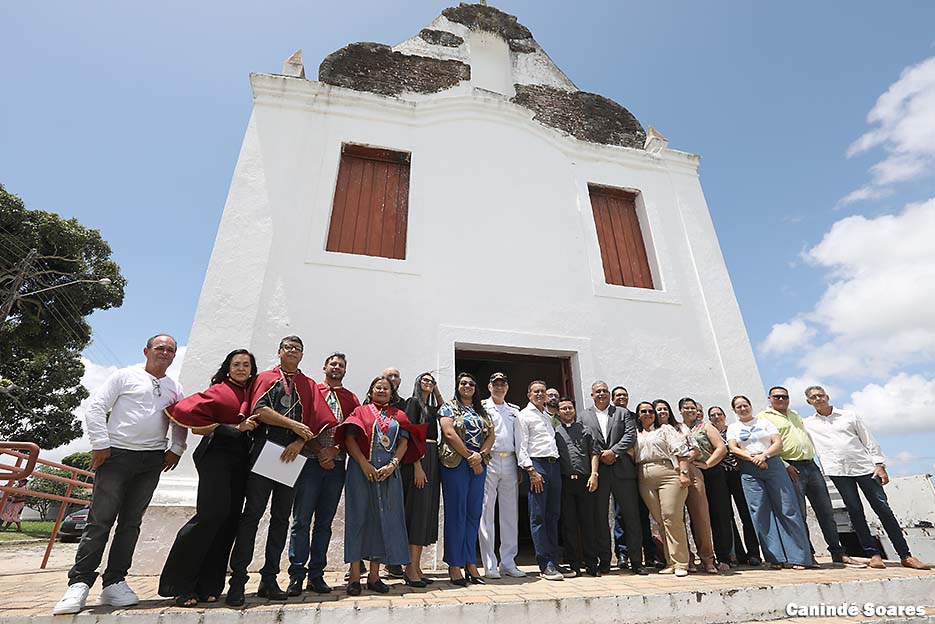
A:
(447, 456)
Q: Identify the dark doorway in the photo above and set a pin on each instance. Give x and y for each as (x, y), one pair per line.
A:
(520, 369)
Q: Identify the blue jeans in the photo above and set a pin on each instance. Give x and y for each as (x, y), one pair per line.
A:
(811, 483)
(873, 491)
(544, 511)
(463, 493)
(774, 509)
(317, 493)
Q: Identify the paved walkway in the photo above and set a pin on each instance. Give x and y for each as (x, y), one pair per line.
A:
(27, 594)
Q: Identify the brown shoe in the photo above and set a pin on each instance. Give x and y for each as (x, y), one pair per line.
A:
(915, 564)
(876, 562)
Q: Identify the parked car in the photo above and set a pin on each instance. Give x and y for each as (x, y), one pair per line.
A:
(73, 525)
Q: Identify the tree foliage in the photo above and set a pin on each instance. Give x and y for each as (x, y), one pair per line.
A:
(42, 337)
(45, 506)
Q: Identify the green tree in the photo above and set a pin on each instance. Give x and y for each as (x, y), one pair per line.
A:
(80, 460)
(42, 334)
(46, 506)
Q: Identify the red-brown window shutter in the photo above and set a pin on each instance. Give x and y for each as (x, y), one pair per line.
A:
(371, 203)
(623, 253)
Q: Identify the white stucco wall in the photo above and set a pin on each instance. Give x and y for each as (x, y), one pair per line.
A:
(502, 251)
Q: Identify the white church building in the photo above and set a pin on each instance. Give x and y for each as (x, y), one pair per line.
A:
(455, 202)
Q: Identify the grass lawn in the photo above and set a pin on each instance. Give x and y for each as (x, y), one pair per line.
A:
(32, 529)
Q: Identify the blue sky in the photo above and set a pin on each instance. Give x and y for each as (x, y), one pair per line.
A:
(130, 117)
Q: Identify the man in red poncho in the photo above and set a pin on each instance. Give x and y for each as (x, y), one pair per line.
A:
(292, 411)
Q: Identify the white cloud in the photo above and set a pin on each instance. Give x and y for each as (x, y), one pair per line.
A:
(904, 404)
(785, 337)
(862, 194)
(876, 312)
(94, 377)
(904, 117)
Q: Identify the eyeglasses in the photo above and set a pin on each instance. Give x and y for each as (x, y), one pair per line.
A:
(291, 347)
(164, 349)
(780, 397)
(428, 381)
(647, 411)
(157, 389)
(552, 396)
(467, 382)
(818, 395)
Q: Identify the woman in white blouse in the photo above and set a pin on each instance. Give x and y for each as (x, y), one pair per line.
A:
(770, 494)
(662, 459)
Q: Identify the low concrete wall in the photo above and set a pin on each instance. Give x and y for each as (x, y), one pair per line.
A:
(715, 606)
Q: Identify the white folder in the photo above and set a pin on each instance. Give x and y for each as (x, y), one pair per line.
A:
(270, 466)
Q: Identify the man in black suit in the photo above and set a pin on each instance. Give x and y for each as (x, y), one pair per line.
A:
(614, 429)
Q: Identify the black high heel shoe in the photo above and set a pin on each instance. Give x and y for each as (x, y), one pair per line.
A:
(461, 582)
(414, 583)
(476, 580)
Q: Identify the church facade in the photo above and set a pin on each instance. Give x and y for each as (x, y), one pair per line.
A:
(455, 202)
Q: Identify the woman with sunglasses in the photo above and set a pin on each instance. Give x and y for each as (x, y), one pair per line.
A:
(468, 436)
(197, 563)
(421, 484)
(662, 459)
(378, 437)
(770, 494)
(708, 499)
(746, 550)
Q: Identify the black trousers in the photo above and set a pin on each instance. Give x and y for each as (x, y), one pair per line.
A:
(197, 562)
(750, 545)
(123, 487)
(578, 516)
(626, 495)
(715, 483)
(259, 491)
(649, 544)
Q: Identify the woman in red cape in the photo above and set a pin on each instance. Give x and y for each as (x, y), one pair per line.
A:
(378, 437)
(197, 564)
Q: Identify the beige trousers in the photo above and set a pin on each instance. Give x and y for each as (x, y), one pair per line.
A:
(700, 517)
(660, 490)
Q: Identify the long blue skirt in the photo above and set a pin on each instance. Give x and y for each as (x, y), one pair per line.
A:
(374, 513)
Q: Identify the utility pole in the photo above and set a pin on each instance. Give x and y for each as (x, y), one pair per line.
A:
(25, 267)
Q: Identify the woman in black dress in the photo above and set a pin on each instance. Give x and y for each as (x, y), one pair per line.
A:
(197, 563)
(421, 484)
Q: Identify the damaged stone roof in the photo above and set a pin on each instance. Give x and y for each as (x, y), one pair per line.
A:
(439, 58)
(375, 67)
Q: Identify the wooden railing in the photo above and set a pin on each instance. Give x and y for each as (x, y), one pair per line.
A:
(29, 452)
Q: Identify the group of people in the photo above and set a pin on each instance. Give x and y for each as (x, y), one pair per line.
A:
(394, 458)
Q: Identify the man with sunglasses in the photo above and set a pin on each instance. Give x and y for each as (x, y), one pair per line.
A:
(128, 453)
(854, 460)
(798, 453)
(501, 487)
(292, 411)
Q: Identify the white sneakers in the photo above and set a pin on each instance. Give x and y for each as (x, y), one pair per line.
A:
(514, 572)
(73, 600)
(116, 595)
(119, 595)
(492, 573)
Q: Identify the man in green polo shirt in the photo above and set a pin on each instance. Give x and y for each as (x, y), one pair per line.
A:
(798, 453)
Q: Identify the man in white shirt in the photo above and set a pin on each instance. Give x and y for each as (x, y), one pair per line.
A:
(502, 484)
(128, 453)
(853, 459)
(537, 454)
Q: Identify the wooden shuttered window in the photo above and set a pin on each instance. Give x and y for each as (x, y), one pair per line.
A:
(623, 252)
(371, 203)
